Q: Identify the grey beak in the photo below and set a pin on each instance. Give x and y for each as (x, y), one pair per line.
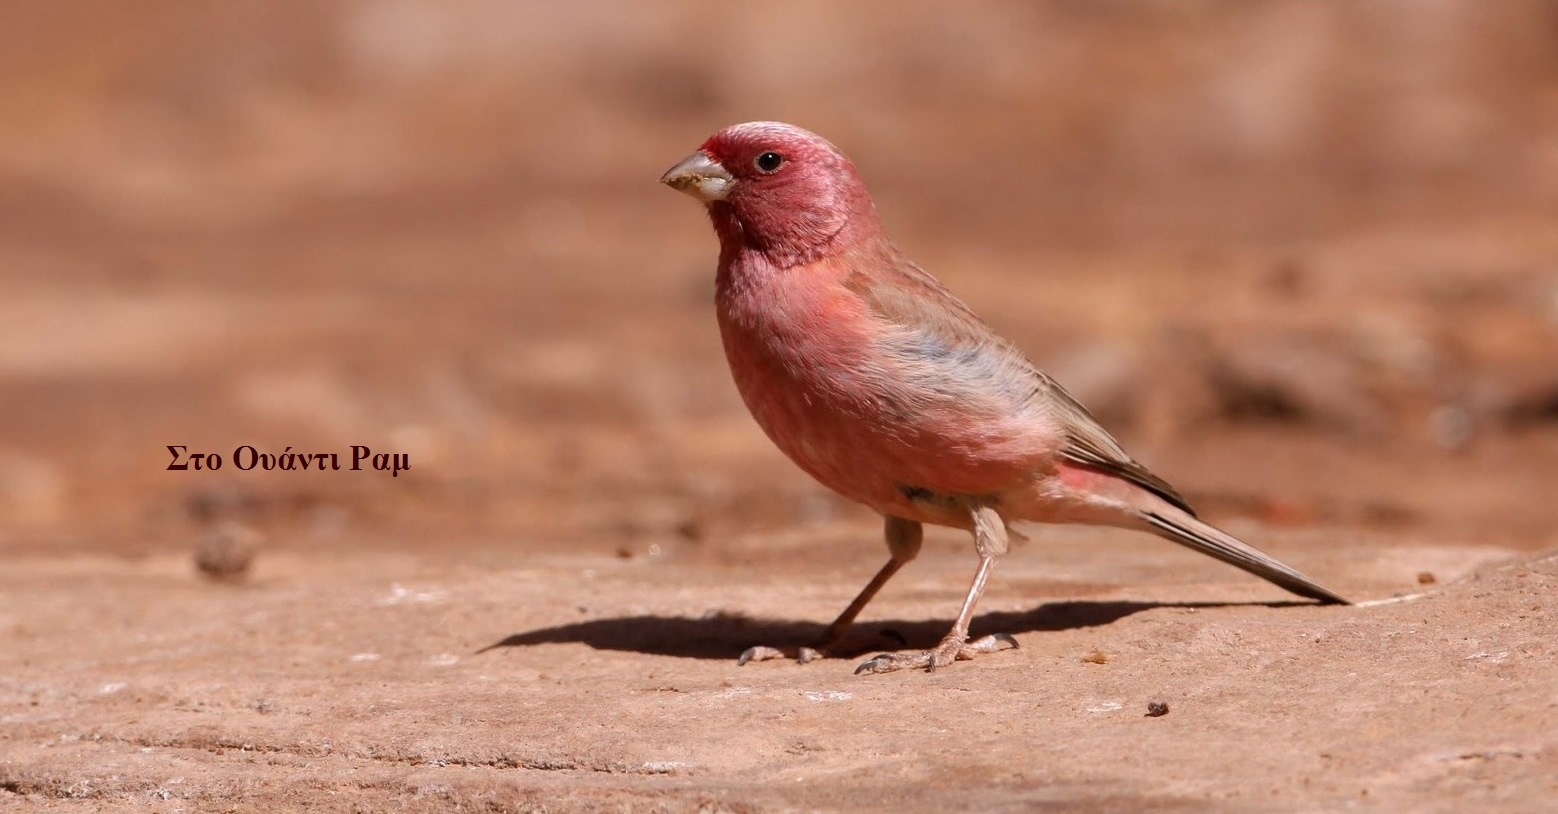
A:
(700, 176)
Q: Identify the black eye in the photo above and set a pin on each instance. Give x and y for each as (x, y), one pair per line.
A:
(769, 161)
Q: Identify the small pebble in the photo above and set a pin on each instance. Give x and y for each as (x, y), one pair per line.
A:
(1157, 709)
(1426, 578)
(226, 552)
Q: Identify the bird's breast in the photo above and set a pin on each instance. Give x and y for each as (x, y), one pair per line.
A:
(801, 359)
(809, 364)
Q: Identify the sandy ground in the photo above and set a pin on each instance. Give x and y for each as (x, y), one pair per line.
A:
(1298, 256)
(583, 682)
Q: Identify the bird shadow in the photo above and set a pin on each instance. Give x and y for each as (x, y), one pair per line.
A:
(724, 635)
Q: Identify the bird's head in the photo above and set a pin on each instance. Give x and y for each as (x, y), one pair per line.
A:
(778, 189)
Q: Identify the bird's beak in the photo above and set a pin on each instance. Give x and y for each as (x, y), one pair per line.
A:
(700, 176)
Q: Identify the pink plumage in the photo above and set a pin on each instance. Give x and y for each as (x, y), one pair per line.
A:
(882, 385)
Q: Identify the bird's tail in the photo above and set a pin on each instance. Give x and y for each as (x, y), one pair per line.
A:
(1173, 524)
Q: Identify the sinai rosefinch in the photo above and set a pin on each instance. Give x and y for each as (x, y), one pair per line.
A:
(881, 384)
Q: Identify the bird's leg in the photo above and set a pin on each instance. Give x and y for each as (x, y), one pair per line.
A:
(990, 541)
(903, 544)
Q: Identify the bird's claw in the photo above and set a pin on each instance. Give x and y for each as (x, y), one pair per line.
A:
(952, 648)
(759, 653)
(888, 662)
(994, 641)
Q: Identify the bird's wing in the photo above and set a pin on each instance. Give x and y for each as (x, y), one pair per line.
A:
(946, 332)
(1089, 444)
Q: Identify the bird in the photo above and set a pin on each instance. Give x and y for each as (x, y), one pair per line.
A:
(876, 380)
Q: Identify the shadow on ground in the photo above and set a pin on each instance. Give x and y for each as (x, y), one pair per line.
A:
(724, 635)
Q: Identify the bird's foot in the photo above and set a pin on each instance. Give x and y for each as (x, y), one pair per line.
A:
(953, 648)
(763, 653)
(820, 649)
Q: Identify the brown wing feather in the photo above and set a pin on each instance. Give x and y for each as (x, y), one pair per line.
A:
(904, 294)
(1090, 445)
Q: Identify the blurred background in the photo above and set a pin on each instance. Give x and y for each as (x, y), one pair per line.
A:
(1300, 256)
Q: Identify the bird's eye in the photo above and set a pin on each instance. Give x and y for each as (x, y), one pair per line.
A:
(769, 161)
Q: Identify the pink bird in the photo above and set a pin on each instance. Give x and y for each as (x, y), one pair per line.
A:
(886, 388)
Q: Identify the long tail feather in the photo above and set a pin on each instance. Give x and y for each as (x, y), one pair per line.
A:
(1181, 528)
